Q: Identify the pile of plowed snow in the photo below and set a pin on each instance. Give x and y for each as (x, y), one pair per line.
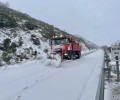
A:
(52, 62)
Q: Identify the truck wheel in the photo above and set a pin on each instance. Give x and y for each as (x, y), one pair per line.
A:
(79, 55)
(70, 55)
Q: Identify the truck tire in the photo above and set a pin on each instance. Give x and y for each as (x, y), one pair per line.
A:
(70, 55)
(79, 55)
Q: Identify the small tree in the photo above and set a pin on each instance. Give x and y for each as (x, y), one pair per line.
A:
(13, 47)
(6, 57)
(30, 25)
(6, 43)
(35, 40)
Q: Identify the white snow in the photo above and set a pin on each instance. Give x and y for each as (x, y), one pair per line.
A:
(34, 80)
(112, 87)
(27, 48)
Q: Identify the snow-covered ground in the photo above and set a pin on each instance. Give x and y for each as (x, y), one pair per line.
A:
(112, 86)
(34, 80)
(112, 89)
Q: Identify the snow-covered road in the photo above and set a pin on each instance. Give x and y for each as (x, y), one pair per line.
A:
(73, 80)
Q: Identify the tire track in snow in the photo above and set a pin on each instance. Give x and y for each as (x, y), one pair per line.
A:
(34, 85)
(19, 94)
(40, 77)
(22, 76)
(35, 82)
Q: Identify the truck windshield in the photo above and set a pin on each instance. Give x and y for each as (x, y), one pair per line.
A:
(59, 41)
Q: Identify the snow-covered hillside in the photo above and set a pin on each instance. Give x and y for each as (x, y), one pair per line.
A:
(23, 37)
(88, 43)
(21, 45)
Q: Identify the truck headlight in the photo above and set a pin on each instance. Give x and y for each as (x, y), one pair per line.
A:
(65, 54)
(51, 55)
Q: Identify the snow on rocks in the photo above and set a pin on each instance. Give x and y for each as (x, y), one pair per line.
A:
(23, 45)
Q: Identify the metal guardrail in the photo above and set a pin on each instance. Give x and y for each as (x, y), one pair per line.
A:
(100, 90)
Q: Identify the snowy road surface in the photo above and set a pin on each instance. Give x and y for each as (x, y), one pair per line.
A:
(73, 80)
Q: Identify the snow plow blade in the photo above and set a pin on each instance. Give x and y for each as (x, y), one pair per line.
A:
(55, 59)
(52, 56)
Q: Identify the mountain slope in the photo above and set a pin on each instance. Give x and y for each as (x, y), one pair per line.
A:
(23, 37)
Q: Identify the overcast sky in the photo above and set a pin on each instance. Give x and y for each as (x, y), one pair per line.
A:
(96, 20)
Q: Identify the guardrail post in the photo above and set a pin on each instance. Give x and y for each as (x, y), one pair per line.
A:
(117, 65)
(107, 60)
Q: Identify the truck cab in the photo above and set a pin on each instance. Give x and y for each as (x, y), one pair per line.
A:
(66, 47)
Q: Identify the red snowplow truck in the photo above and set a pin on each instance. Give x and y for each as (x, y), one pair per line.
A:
(66, 47)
